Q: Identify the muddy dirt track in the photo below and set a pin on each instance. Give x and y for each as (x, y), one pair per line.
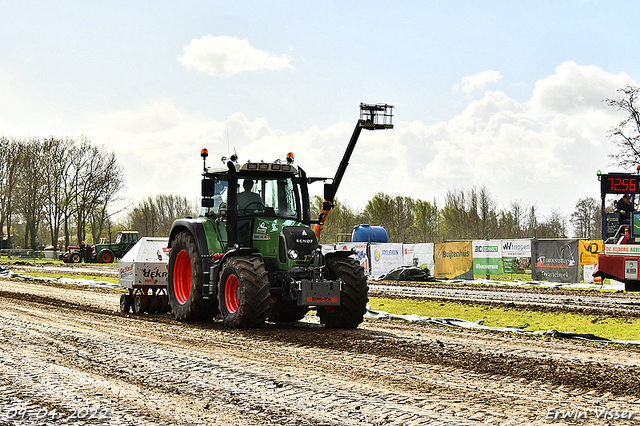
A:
(67, 356)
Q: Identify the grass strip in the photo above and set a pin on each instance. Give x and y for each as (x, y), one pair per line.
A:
(610, 328)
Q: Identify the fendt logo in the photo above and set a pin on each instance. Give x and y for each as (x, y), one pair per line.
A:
(304, 240)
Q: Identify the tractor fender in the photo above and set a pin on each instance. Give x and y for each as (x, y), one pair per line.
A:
(339, 254)
(196, 228)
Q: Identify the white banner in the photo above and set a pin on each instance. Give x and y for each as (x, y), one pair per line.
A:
(361, 253)
(587, 273)
(516, 248)
(385, 257)
(419, 255)
(487, 249)
(326, 248)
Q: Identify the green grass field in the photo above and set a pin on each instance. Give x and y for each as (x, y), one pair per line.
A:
(611, 328)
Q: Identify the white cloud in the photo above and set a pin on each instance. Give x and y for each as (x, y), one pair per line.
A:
(478, 81)
(224, 56)
(544, 151)
(574, 88)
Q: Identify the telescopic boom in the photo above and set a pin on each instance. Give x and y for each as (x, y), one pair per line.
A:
(372, 117)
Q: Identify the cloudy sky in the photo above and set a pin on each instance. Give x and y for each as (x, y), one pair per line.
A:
(501, 94)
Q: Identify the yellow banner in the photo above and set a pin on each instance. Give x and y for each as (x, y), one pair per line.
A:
(453, 260)
(589, 250)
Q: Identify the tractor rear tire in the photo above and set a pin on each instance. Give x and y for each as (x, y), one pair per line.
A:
(285, 311)
(184, 282)
(75, 258)
(243, 292)
(105, 256)
(353, 297)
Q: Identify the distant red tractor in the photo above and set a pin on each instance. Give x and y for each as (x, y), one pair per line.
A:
(103, 252)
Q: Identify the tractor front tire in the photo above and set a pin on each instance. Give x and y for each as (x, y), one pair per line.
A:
(353, 297)
(184, 282)
(243, 292)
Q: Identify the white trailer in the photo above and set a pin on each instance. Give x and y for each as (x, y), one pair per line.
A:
(143, 271)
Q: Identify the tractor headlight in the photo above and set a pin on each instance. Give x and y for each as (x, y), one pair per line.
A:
(293, 254)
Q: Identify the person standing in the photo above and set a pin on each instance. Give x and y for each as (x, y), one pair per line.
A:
(624, 208)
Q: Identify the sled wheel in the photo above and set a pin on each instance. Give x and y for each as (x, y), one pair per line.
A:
(244, 292)
(184, 282)
(163, 304)
(125, 303)
(353, 297)
(139, 304)
(153, 304)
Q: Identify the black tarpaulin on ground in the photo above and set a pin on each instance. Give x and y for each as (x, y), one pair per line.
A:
(407, 273)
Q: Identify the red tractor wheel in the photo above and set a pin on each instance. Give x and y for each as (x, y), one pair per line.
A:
(244, 292)
(184, 282)
(106, 256)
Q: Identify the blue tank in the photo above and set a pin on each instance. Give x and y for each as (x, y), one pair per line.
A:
(369, 234)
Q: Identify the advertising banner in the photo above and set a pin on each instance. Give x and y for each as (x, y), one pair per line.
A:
(487, 257)
(361, 253)
(419, 255)
(587, 273)
(589, 250)
(516, 265)
(453, 260)
(385, 257)
(555, 260)
(516, 256)
(516, 248)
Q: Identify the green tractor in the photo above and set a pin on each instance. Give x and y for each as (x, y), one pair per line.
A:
(252, 254)
(104, 252)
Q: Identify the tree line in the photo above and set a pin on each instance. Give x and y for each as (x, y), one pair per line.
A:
(60, 191)
(466, 214)
(54, 187)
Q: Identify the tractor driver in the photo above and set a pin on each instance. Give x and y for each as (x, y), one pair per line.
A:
(624, 208)
(249, 199)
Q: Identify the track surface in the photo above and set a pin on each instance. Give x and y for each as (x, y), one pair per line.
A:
(67, 353)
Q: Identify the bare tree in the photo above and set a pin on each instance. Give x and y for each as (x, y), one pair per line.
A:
(32, 193)
(555, 226)
(57, 153)
(627, 134)
(583, 218)
(9, 166)
(153, 216)
(97, 178)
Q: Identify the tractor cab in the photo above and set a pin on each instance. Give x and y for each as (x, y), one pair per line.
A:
(249, 201)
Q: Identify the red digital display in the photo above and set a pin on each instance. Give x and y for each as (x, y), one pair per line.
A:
(620, 184)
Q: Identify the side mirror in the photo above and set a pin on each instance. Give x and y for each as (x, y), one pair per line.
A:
(328, 191)
(207, 188)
